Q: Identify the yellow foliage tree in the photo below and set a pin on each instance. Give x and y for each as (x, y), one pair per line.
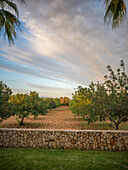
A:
(64, 101)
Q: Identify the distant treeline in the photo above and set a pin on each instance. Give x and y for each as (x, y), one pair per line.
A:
(56, 102)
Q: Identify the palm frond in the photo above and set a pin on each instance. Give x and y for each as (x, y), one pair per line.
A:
(107, 2)
(11, 6)
(115, 12)
(9, 25)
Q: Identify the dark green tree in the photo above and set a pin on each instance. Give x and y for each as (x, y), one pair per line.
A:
(5, 107)
(105, 100)
(38, 105)
(20, 106)
(51, 104)
(116, 85)
(24, 105)
(110, 99)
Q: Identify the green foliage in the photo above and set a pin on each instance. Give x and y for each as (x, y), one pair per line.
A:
(21, 106)
(38, 106)
(52, 103)
(80, 102)
(5, 93)
(117, 95)
(57, 102)
(106, 100)
(9, 19)
(116, 11)
(24, 105)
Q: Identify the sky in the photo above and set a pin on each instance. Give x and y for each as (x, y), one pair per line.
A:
(63, 44)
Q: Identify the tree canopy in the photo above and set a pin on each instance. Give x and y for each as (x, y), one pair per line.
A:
(24, 105)
(104, 100)
(5, 107)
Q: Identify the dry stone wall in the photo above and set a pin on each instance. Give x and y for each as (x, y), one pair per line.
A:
(67, 139)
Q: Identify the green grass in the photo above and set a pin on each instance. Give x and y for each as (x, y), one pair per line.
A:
(57, 159)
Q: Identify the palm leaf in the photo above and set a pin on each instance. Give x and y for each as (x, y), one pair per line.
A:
(10, 5)
(9, 23)
(115, 12)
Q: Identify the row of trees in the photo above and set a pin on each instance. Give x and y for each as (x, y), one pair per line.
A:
(101, 101)
(23, 105)
(56, 102)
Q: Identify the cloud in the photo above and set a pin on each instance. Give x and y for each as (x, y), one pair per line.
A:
(65, 41)
(46, 91)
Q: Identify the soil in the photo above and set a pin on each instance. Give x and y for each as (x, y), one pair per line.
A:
(59, 118)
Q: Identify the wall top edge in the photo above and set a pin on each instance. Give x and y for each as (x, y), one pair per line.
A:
(62, 130)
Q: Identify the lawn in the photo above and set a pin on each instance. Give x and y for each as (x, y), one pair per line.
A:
(21, 158)
(60, 118)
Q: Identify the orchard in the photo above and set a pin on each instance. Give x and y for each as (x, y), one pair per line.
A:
(23, 105)
(97, 102)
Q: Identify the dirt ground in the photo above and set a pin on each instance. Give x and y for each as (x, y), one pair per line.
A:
(59, 118)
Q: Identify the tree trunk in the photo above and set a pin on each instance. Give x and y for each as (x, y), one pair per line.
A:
(117, 126)
(21, 123)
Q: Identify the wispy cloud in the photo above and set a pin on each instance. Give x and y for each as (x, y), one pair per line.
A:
(67, 42)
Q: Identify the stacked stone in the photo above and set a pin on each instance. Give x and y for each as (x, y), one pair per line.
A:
(67, 139)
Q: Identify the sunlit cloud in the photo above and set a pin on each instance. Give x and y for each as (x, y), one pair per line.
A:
(64, 44)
